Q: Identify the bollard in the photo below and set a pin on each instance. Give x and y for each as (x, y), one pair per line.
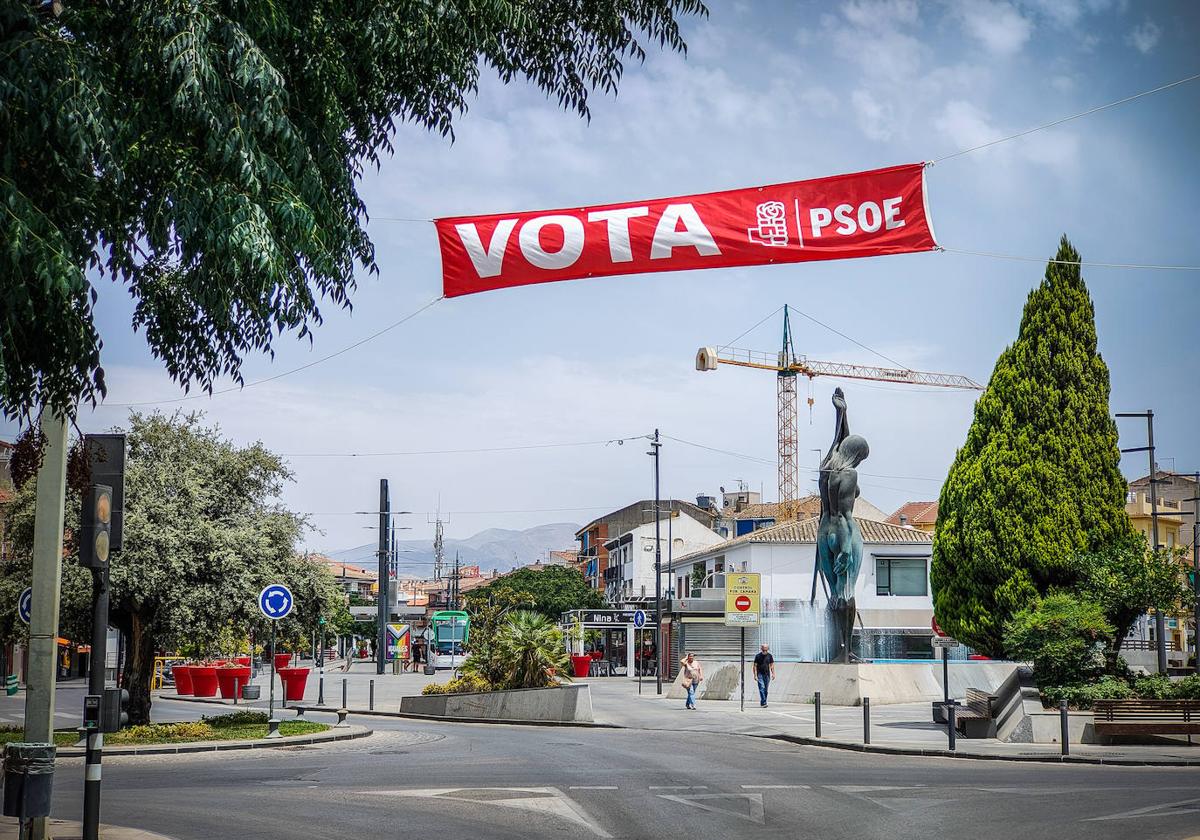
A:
(1065, 727)
(273, 728)
(341, 724)
(817, 708)
(343, 694)
(371, 700)
(321, 690)
(951, 729)
(866, 720)
(300, 713)
(237, 689)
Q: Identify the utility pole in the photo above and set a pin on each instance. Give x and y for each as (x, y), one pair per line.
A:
(1160, 620)
(656, 446)
(439, 549)
(47, 582)
(381, 613)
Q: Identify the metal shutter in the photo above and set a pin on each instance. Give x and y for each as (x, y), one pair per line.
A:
(713, 640)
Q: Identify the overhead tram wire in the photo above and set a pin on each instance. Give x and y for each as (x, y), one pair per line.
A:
(1080, 263)
(306, 366)
(471, 451)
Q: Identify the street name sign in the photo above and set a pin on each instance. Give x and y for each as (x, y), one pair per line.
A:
(275, 601)
(945, 642)
(742, 599)
(25, 604)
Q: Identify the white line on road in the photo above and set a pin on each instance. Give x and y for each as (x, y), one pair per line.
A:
(1167, 809)
(593, 787)
(775, 787)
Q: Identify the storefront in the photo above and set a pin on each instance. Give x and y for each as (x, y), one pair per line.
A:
(618, 647)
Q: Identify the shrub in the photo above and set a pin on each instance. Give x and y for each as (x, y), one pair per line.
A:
(467, 684)
(246, 718)
(433, 688)
(1188, 688)
(187, 731)
(1064, 637)
(1154, 687)
(1083, 696)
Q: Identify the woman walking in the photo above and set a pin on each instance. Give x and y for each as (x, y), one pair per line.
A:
(693, 675)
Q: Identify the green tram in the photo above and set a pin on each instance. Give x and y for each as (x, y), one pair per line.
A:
(451, 631)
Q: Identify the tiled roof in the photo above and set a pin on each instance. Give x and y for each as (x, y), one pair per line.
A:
(921, 513)
(805, 531)
(809, 505)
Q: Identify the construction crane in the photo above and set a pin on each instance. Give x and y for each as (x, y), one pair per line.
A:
(787, 366)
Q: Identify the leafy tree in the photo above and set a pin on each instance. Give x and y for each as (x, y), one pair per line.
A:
(1064, 636)
(550, 590)
(1126, 580)
(1038, 480)
(206, 155)
(203, 535)
(532, 647)
(489, 612)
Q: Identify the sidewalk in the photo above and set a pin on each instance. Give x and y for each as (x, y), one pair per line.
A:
(67, 830)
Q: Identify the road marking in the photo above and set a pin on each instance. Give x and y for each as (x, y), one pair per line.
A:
(793, 717)
(1153, 811)
(678, 787)
(544, 800)
(709, 802)
(593, 787)
(871, 788)
(775, 787)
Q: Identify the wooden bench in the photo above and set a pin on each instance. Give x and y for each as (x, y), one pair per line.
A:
(1147, 717)
(974, 719)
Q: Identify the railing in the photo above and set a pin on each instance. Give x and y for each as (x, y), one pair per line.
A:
(1147, 644)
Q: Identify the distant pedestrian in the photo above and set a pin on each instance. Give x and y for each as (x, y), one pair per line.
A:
(693, 675)
(764, 672)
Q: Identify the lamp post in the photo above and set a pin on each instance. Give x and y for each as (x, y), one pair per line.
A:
(656, 445)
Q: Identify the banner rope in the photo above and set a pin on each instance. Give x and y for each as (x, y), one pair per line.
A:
(306, 366)
(1098, 108)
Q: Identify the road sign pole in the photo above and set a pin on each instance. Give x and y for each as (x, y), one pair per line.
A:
(946, 674)
(743, 669)
(272, 723)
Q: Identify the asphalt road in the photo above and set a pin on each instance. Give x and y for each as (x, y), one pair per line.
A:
(414, 779)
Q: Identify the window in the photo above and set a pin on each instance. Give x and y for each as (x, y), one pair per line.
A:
(901, 576)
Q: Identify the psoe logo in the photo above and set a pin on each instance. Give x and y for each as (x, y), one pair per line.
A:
(771, 230)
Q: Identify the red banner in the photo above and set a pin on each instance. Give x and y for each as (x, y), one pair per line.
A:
(864, 214)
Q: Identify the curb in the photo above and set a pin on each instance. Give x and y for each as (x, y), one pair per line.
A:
(350, 734)
(941, 753)
(444, 719)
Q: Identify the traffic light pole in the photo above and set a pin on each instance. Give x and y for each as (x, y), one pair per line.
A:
(96, 681)
(385, 515)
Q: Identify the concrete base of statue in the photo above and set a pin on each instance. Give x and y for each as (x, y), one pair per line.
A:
(846, 685)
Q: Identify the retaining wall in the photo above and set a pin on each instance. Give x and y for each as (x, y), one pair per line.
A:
(564, 704)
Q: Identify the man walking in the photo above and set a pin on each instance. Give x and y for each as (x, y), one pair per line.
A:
(764, 672)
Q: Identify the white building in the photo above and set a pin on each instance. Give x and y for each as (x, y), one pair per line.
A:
(893, 596)
(629, 576)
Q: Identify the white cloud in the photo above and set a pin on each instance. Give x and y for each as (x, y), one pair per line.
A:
(995, 24)
(874, 117)
(965, 124)
(1145, 36)
(1063, 13)
(1063, 84)
(881, 14)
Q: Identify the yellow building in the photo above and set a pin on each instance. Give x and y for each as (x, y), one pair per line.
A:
(1170, 537)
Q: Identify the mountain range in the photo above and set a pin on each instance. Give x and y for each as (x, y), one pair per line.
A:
(496, 548)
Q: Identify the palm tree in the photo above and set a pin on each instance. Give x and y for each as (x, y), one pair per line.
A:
(534, 650)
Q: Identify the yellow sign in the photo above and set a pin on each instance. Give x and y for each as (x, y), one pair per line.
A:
(742, 599)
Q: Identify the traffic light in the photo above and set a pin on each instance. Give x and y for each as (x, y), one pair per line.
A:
(95, 527)
(115, 709)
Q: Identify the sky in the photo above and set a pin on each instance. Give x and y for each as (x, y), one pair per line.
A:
(768, 92)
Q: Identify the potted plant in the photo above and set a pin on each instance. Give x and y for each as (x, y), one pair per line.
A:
(232, 679)
(182, 674)
(580, 663)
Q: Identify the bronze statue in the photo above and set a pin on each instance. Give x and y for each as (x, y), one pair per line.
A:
(839, 540)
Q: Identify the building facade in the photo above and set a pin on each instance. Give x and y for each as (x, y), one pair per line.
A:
(595, 536)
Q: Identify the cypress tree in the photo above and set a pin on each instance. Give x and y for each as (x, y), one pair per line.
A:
(1038, 479)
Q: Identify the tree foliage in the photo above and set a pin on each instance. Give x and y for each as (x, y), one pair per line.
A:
(1038, 479)
(1126, 580)
(489, 612)
(205, 156)
(533, 648)
(550, 590)
(1064, 636)
(204, 533)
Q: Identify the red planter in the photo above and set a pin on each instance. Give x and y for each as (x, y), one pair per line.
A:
(204, 680)
(581, 665)
(294, 680)
(244, 661)
(282, 660)
(231, 681)
(183, 678)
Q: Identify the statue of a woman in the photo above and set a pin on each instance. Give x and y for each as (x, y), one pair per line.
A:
(839, 541)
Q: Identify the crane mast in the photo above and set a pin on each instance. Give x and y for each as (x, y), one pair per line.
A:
(788, 366)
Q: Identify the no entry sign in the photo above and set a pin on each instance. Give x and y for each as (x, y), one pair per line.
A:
(742, 599)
